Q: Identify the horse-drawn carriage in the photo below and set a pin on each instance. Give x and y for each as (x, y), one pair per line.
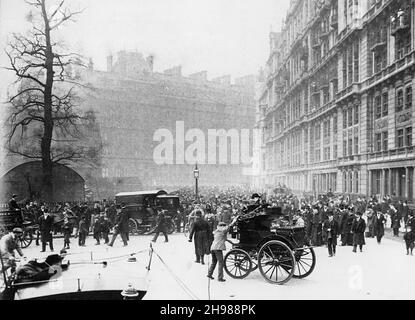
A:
(280, 253)
(11, 219)
(142, 208)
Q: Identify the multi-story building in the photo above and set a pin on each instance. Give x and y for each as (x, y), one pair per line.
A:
(131, 103)
(337, 108)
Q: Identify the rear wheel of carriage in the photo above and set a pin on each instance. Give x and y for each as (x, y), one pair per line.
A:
(276, 262)
(238, 264)
(26, 239)
(141, 228)
(132, 226)
(305, 262)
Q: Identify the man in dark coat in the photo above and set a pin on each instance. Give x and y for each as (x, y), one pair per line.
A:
(331, 229)
(83, 231)
(45, 228)
(396, 220)
(346, 228)
(105, 227)
(379, 221)
(409, 236)
(358, 229)
(200, 231)
(405, 211)
(161, 227)
(13, 206)
(120, 227)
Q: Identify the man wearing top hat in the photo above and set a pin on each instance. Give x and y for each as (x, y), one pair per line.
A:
(45, 228)
(331, 229)
(8, 244)
(358, 229)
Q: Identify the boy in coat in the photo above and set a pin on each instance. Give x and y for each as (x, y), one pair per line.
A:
(217, 248)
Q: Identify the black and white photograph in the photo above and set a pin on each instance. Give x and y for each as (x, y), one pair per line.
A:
(207, 150)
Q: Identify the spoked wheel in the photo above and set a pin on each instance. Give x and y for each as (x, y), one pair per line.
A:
(132, 226)
(305, 262)
(142, 228)
(238, 264)
(171, 227)
(26, 239)
(276, 262)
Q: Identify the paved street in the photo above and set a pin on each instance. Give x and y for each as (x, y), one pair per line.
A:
(380, 272)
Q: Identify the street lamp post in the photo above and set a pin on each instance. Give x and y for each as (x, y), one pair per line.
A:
(196, 176)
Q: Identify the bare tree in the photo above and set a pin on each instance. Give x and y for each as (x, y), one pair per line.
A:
(45, 120)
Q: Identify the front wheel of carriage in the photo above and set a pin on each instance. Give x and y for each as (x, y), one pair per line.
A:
(238, 264)
(26, 239)
(305, 262)
(276, 262)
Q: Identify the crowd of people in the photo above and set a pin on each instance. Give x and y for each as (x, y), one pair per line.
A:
(209, 216)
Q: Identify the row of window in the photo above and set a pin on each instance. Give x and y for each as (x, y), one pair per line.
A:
(350, 117)
(351, 182)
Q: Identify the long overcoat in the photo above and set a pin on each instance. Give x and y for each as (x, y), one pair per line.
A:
(358, 229)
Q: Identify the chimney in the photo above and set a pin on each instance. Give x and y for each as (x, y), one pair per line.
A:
(109, 63)
(150, 62)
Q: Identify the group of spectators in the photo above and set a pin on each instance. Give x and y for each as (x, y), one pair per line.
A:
(74, 219)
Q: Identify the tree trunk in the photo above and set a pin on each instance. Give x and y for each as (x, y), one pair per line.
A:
(47, 164)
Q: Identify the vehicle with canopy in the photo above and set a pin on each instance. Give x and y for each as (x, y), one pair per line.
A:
(280, 253)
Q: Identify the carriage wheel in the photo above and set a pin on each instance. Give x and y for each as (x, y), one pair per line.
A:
(238, 264)
(306, 261)
(26, 239)
(276, 262)
(171, 227)
(141, 228)
(132, 226)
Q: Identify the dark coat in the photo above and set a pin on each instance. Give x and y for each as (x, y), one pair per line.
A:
(358, 229)
(83, 227)
(333, 226)
(379, 225)
(201, 231)
(396, 220)
(121, 222)
(13, 204)
(45, 228)
(346, 223)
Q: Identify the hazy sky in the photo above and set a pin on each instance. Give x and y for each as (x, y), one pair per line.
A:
(220, 36)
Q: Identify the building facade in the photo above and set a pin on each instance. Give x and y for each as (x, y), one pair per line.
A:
(336, 107)
(132, 103)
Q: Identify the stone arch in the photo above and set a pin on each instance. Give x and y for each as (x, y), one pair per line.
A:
(25, 180)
